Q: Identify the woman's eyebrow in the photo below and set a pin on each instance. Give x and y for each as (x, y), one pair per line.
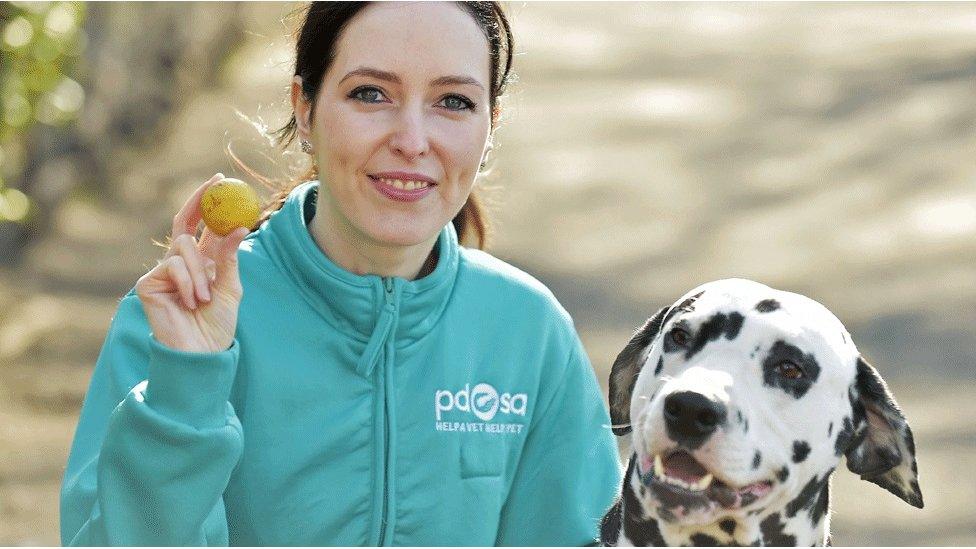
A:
(375, 73)
(456, 80)
(391, 77)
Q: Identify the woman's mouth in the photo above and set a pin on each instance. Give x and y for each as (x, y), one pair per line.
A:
(685, 481)
(402, 187)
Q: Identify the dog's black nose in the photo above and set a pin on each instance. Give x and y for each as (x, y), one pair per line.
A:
(691, 417)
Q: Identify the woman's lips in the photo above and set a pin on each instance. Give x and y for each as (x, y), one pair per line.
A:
(403, 190)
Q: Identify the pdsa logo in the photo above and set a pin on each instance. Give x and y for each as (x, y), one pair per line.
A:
(482, 401)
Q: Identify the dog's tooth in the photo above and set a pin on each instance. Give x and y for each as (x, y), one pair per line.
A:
(658, 466)
(705, 482)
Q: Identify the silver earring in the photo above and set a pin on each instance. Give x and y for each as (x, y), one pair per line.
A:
(306, 147)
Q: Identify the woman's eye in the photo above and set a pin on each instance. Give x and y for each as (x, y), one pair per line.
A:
(679, 337)
(367, 94)
(457, 103)
(789, 370)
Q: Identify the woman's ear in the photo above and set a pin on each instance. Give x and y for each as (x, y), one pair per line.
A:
(882, 449)
(626, 368)
(302, 108)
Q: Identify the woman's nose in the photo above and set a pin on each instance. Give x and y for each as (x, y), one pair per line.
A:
(410, 137)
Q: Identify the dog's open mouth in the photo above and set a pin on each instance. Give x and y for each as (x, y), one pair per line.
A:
(679, 479)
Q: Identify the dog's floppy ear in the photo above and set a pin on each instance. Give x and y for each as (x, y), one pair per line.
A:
(623, 374)
(882, 449)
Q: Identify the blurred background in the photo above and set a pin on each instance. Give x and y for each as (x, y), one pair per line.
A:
(827, 149)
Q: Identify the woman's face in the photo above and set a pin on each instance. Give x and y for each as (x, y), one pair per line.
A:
(402, 121)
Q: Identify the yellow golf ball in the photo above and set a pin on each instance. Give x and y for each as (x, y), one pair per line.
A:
(228, 204)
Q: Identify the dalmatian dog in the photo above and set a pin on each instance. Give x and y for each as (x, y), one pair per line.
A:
(741, 400)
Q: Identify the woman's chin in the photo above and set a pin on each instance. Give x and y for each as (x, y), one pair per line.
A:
(403, 235)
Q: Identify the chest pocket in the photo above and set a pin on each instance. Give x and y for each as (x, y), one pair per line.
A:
(483, 489)
(483, 457)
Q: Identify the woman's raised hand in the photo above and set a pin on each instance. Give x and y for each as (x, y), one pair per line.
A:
(191, 297)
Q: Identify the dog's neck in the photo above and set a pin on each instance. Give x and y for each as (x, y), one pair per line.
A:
(802, 521)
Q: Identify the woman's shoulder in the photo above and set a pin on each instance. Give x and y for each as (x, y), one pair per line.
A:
(505, 284)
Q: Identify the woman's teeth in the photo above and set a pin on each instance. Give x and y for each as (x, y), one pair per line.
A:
(405, 185)
(702, 483)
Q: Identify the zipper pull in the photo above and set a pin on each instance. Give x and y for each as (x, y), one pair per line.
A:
(388, 286)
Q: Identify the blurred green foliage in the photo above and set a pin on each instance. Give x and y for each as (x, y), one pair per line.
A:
(40, 44)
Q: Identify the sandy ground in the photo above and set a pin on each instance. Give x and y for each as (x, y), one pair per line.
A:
(826, 149)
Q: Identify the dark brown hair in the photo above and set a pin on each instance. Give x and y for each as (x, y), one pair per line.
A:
(315, 49)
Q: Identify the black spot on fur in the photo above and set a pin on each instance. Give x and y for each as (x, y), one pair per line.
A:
(830, 429)
(745, 425)
(660, 365)
(783, 473)
(800, 451)
(727, 526)
(844, 437)
(756, 459)
(773, 534)
(642, 532)
(720, 324)
(782, 351)
(805, 499)
(738, 416)
(703, 540)
(685, 306)
(767, 305)
(610, 525)
(823, 503)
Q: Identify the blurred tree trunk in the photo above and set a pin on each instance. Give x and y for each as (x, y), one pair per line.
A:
(141, 60)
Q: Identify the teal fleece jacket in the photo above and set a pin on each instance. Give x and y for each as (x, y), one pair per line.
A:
(456, 409)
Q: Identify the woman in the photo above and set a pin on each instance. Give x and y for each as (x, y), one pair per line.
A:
(377, 384)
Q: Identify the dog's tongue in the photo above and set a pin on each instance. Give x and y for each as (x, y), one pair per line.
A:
(682, 465)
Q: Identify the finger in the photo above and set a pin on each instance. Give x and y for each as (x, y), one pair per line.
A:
(230, 243)
(211, 267)
(209, 241)
(186, 247)
(226, 259)
(188, 218)
(177, 273)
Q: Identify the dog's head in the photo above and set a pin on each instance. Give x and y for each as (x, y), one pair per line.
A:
(742, 398)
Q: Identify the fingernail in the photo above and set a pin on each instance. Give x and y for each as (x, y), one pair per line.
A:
(206, 294)
(218, 174)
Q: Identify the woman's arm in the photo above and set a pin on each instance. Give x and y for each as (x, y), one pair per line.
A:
(569, 471)
(155, 445)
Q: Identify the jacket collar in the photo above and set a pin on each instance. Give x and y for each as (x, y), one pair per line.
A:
(349, 302)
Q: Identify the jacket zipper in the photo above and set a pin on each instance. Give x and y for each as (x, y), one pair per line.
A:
(390, 306)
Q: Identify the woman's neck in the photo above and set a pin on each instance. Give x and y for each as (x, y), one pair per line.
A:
(356, 253)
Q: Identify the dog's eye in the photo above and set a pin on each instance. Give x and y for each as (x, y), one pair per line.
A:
(679, 337)
(790, 370)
